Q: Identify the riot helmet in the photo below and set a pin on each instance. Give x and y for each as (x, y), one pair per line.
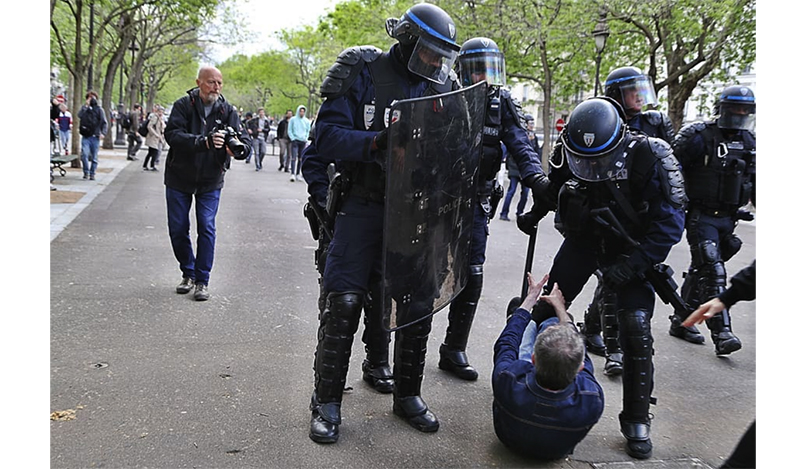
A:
(632, 89)
(427, 37)
(593, 139)
(480, 59)
(736, 108)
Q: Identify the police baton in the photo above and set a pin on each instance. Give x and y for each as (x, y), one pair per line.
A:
(528, 223)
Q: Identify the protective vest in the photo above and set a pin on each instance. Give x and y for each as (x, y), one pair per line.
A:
(724, 179)
(653, 124)
(622, 193)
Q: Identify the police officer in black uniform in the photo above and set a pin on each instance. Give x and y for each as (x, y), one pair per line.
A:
(635, 92)
(599, 167)
(719, 163)
(351, 130)
(481, 60)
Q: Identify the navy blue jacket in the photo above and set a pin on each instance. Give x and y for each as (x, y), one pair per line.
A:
(533, 421)
(191, 167)
(515, 137)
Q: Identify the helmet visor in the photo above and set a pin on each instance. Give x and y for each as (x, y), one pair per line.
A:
(737, 116)
(432, 59)
(596, 168)
(637, 95)
(477, 67)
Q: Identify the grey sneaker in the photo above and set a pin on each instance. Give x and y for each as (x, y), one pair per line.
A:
(201, 292)
(185, 286)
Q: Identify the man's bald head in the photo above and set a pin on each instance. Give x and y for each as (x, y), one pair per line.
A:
(209, 81)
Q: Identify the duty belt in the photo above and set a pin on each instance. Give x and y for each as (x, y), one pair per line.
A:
(361, 191)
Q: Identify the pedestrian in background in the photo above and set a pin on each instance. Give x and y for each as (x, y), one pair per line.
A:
(283, 141)
(195, 170)
(134, 139)
(64, 126)
(298, 129)
(155, 137)
(93, 120)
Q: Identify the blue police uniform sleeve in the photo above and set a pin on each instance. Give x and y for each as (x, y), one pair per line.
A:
(315, 173)
(506, 349)
(666, 221)
(338, 137)
(517, 142)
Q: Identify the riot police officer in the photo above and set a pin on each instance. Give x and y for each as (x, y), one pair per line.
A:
(719, 163)
(481, 60)
(351, 129)
(606, 173)
(635, 92)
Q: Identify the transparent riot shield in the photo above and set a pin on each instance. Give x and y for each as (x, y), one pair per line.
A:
(434, 150)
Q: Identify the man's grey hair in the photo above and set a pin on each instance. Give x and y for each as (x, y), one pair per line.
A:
(559, 352)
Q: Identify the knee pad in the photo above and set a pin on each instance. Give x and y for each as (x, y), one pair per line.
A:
(634, 333)
(729, 246)
(342, 312)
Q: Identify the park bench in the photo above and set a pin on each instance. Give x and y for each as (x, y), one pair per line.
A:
(56, 162)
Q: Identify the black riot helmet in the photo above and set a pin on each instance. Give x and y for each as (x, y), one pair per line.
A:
(632, 89)
(736, 108)
(480, 59)
(427, 37)
(593, 139)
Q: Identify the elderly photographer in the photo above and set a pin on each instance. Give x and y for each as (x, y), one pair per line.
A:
(203, 132)
(545, 402)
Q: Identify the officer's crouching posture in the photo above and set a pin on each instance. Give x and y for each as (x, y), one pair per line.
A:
(634, 91)
(351, 130)
(601, 167)
(481, 60)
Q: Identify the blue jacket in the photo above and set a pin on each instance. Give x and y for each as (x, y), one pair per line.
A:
(298, 127)
(533, 421)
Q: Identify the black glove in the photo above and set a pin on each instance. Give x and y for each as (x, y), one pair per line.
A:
(381, 140)
(744, 215)
(528, 221)
(541, 188)
(626, 268)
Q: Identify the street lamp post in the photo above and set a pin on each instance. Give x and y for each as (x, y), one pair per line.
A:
(600, 34)
(133, 50)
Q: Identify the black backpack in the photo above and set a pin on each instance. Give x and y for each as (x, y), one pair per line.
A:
(125, 121)
(90, 122)
(143, 126)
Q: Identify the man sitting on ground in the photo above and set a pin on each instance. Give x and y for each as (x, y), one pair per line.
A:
(545, 402)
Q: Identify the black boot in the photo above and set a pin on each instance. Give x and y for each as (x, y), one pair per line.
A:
(613, 366)
(452, 353)
(591, 326)
(375, 368)
(409, 363)
(338, 324)
(637, 438)
(725, 342)
(325, 421)
(690, 292)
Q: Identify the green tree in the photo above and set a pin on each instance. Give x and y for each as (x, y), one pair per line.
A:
(682, 43)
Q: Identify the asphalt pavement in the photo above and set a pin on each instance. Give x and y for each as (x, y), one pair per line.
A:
(143, 377)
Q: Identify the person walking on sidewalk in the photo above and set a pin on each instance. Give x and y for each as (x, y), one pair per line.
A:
(155, 137)
(134, 140)
(283, 142)
(93, 127)
(195, 169)
(298, 130)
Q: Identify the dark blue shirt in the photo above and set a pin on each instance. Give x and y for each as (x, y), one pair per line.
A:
(529, 419)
